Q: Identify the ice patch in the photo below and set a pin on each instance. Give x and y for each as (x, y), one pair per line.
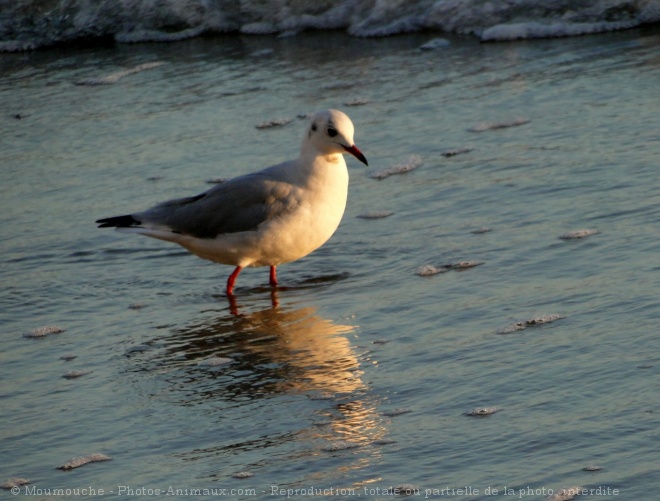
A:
(14, 482)
(116, 76)
(277, 122)
(340, 445)
(44, 331)
(411, 163)
(565, 494)
(523, 324)
(436, 43)
(75, 374)
(404, 490)
(482, 411)
(356, 102)
(572, 235)
(243, 474)
(428, 270)
(81, 461)
(215, 362)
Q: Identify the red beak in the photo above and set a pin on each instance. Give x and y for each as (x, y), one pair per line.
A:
(353, 150)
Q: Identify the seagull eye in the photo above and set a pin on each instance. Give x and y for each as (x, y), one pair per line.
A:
(314, 127)
(332, 132)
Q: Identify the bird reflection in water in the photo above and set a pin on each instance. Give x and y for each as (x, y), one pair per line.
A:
(275, 352)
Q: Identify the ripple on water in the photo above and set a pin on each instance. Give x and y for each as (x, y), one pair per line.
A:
(375, 214)
(455, 151)
(396, 412)
(356, 102)
(484, 126)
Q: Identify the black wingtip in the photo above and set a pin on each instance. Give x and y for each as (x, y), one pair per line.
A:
(118, 222)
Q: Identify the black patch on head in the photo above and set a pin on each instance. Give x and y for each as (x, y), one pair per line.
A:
(331, 130)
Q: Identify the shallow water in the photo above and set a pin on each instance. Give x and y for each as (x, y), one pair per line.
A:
(358, 373)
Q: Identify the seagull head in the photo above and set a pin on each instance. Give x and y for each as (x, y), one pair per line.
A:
(331, 132)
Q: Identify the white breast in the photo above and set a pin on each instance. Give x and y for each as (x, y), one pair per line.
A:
(319, 200)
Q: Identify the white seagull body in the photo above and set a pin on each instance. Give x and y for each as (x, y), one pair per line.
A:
(267, 218)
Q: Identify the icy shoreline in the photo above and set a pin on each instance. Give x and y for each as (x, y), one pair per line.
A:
(32, 24)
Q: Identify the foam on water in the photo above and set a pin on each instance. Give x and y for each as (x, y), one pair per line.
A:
(29, 24)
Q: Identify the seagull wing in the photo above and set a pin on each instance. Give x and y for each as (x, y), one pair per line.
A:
(240, 204)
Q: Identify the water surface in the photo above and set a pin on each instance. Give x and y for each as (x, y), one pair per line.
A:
(357, 373)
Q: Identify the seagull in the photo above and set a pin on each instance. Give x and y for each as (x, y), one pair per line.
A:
(266, 218)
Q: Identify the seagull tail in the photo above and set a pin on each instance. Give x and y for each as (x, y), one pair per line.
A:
(128, 224)
(118, 222)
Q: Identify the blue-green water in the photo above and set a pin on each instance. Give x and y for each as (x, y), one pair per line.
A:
(321, 371)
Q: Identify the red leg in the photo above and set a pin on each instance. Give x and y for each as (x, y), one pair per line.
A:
(232, 280)
(233, 305)
(273, 276)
